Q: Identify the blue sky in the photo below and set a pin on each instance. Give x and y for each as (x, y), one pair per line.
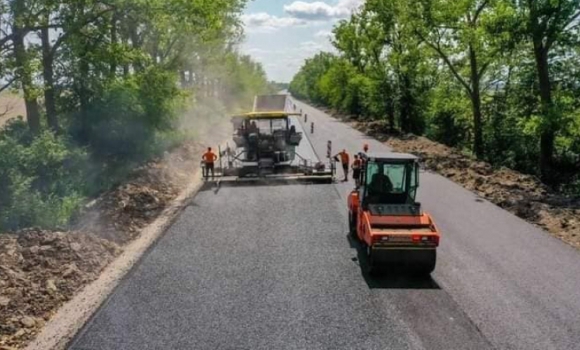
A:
(282, 33)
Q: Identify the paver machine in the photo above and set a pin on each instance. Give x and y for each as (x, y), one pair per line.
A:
(266, 147)
(385, 217)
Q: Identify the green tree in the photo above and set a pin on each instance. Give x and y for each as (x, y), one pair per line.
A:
(106, 76)
(458, 33)
(548, 23)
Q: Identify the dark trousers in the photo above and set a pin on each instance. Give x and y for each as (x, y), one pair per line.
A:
(208, 167)
(356, 175)
(345, 169)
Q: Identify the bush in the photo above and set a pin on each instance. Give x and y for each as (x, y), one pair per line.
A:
(42, 180)
(448, 118)
(121, 126)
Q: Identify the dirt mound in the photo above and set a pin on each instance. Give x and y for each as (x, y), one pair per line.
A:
(120, 214)
(523, 195)
(40, 270)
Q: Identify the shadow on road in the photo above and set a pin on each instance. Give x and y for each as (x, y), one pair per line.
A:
(389, 278)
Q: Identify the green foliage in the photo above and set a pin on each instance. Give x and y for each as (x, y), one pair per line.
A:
(113, 78)
(276, 87)
(499, 79)
(448, 117)
(41, 179)
(305, 83)
(243, 79)
(121, 125)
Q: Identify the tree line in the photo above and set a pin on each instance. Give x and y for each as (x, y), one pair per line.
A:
(103, 82)
(498, 78)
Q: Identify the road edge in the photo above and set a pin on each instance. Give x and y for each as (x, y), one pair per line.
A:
(74, 314)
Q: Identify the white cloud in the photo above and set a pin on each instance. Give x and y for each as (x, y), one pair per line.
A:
(287, 39)
(323, 34)
(283, 61)
(267, 22)
(255, 51)
(311, 46)
(319, 10)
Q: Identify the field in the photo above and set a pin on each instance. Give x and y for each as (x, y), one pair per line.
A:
(11, 106)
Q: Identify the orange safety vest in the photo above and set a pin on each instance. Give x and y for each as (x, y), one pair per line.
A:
(356, 164)
(209, 157)
(344, 157)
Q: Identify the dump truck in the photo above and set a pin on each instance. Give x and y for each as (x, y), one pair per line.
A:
(270, 103)
(385, 217)
(265, 147)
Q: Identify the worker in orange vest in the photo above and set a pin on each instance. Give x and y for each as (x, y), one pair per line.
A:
(344, 160)
(356, 169)
(209, 158)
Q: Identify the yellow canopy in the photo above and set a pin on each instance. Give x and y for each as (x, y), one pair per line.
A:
(265, 115)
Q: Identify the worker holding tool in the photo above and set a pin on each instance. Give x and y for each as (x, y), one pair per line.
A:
(356, 168)
(209, 158)
(344, 159)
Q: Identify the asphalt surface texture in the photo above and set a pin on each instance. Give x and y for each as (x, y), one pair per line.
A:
(272, 267)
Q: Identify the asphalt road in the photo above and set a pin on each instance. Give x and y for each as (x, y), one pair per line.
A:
(271, 267)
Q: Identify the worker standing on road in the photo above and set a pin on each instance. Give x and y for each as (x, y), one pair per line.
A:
(356, 168)
(344, 159)
(209, 158)
(363, 155)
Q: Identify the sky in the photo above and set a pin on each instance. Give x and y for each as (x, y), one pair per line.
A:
(281, 34)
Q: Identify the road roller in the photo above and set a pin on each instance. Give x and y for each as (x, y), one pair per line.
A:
(387, 220)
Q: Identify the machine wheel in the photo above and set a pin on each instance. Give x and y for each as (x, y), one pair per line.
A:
(427, 265)
(371, 267)
(352, 225)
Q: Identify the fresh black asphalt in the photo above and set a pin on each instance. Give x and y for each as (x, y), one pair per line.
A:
(271, 267)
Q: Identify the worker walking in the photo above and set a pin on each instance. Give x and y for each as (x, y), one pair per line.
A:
(209, 158)
(356, 169)
(344, 159)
